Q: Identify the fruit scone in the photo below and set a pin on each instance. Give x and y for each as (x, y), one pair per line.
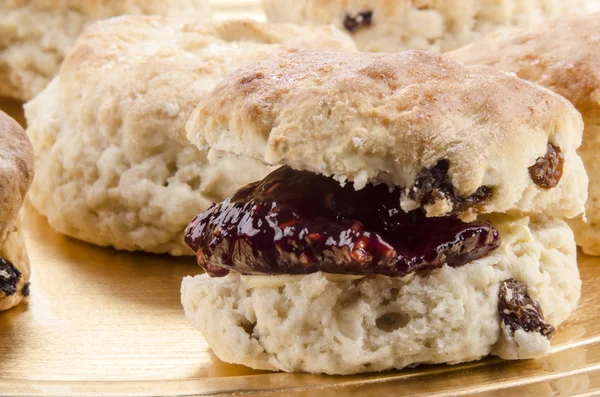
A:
(36, 35)
(405, 224)
(114, 167)
(16, 173)
(564, 56)
(396, 25)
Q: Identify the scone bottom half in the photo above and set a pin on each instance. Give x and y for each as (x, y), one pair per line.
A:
(407, 223)
(293, 224)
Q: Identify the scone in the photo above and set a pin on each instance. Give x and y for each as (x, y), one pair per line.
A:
(114, 167)
(16, 173)
(396, 25)
(405, 224)
(36, 35)
(564, 56)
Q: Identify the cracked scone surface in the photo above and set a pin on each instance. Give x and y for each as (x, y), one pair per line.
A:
(567, 62)
(36, 35)
(317, 323)
(389, 117)
(114, 166)
(439, 26)
(16, 173)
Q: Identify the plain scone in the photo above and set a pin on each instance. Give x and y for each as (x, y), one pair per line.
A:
(16, 173)
(564, 56)
(36, 35)
(439, 26)
(388, 118)
(114, 166)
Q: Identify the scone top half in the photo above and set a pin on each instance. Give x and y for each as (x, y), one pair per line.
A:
(456, 140)
(388, 161)
(16, 174)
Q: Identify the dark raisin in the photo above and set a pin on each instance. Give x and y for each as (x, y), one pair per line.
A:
(9, 277)
(518, 311)
(433, 185)
(25, 291)
(298, 222)
(548, 170)
(354, 22)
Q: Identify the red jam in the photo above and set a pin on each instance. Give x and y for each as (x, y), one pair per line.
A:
(299, 222)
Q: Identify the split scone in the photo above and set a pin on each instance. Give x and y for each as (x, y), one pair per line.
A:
(114, 167)
(16, 173)
(405, 224)
(396, 25)
(35, 35)
(564, 56)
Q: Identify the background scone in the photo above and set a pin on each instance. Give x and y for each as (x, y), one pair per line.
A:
(318, 267)
(564, 56)
(16, 173)
(395, 25)
(114, 165)
(35, 35)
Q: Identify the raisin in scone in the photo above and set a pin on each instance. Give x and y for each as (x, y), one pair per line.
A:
(16, 173)
(564, 56)
(405, 224)
(36, 35)
(396, 25)
(114, 167)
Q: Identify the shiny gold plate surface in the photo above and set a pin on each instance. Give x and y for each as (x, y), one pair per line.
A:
(105, 323)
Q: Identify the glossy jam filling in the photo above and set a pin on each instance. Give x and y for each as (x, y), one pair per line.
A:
(298, 222)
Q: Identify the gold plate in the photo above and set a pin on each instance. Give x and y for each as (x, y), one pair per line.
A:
(105, 323)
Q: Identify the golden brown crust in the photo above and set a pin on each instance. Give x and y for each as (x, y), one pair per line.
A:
(387, 117)
(16, 170)
(562, 55)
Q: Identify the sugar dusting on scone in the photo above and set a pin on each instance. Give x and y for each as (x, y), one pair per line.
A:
(564, 56)
(415, 216)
